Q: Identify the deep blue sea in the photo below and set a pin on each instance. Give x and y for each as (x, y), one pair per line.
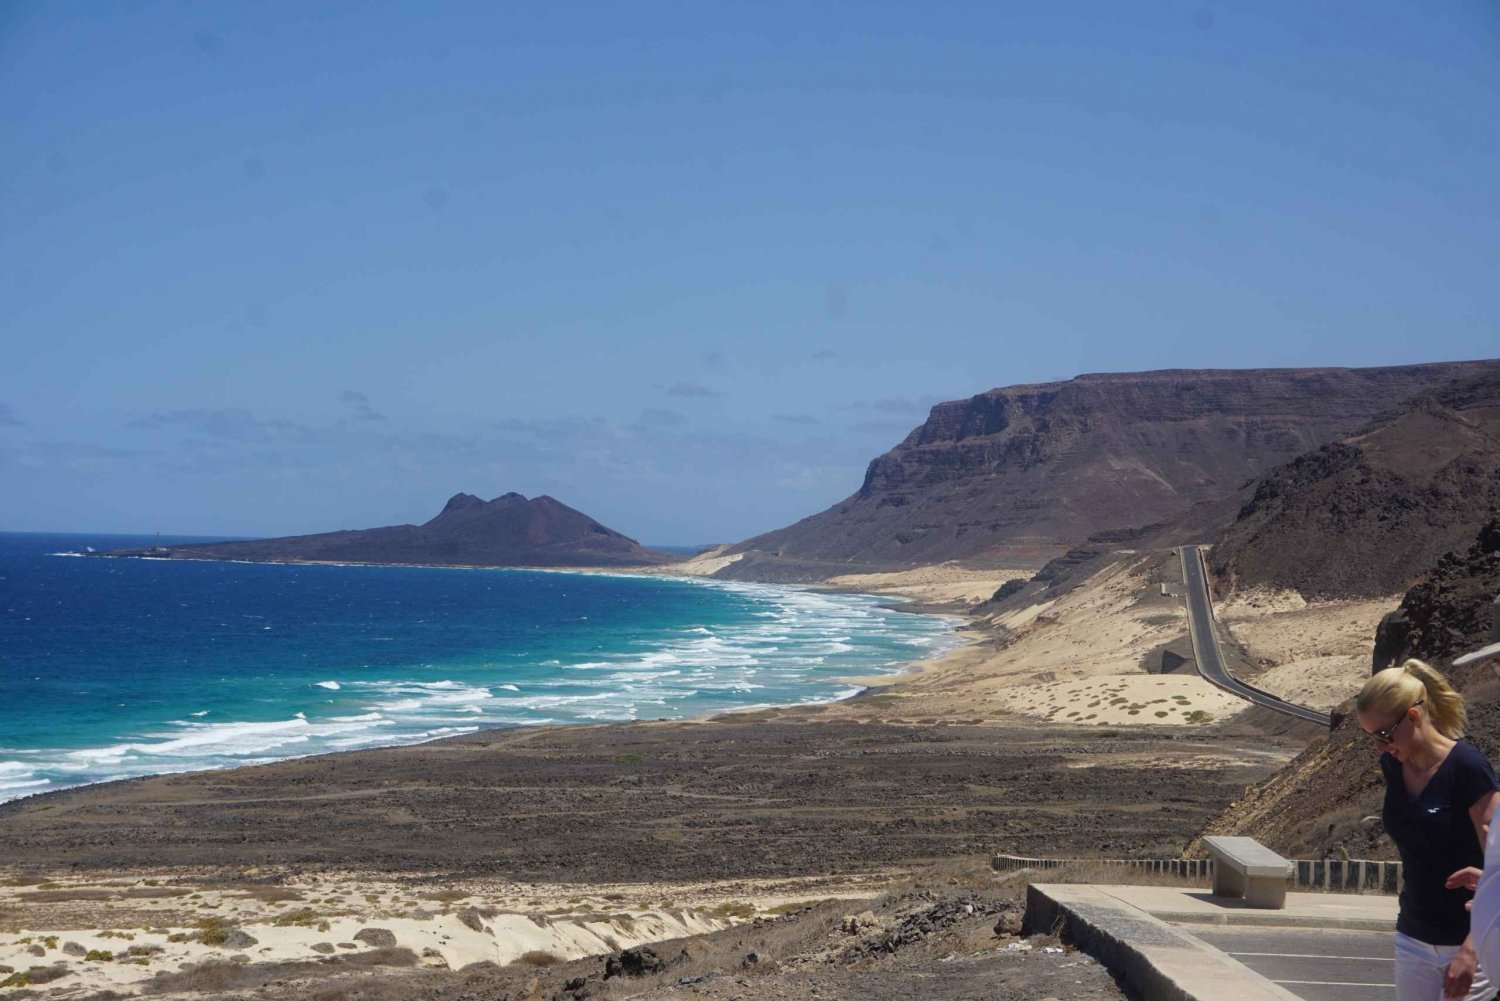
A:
(111, 668)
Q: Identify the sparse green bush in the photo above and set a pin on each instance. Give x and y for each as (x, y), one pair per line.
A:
(301, 916)
(212, 931)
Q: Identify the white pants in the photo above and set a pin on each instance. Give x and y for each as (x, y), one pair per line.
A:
(1420, 968)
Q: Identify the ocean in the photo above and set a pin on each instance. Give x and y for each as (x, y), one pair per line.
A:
(115, 668)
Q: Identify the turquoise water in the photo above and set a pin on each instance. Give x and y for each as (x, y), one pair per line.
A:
(117, 668)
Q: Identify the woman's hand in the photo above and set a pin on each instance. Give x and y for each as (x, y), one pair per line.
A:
(1465, 879)
(1459, 976)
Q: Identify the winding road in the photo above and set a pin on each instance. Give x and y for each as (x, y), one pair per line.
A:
(1206, 642)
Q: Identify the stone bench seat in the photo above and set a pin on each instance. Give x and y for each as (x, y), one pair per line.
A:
(1243, 867)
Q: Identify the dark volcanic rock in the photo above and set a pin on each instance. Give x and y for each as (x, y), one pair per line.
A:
(634, 963)
(1449, 613)
(507, 531)
(1366, 515)
(1036, 469)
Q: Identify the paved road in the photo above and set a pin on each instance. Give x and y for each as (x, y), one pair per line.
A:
(1314, 963)
(1206, 643)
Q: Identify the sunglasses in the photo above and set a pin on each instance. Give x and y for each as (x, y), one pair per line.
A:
(1389, 733)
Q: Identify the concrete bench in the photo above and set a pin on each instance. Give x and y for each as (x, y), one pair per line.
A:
(1243, 867)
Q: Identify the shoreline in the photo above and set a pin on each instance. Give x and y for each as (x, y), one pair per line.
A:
(864, 683)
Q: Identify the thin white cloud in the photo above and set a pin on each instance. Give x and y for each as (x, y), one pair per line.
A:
(689, 389)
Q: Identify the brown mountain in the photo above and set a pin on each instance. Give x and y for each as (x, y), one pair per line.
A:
(1327, 800)
(1026, 472)
(1366, 515)
(507, 531)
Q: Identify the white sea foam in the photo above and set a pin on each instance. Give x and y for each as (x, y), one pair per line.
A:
(781, 646)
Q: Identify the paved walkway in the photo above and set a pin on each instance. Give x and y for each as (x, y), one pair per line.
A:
(1183, 944)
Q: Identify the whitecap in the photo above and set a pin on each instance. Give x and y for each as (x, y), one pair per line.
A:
(332, 686)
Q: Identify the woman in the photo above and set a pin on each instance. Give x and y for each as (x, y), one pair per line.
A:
(1439, 795)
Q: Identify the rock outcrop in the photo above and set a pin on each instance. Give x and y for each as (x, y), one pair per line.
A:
(1364, 516)
(1026, 472)
(507, 531)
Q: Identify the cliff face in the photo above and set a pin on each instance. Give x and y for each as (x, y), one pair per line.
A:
(1364, 516)
(1035, 469)
(507, 531)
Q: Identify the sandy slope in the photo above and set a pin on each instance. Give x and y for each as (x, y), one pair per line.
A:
(1314, 654)
(152, 924)
(947, 583)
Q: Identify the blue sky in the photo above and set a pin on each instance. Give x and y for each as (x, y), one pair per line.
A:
(280, 267)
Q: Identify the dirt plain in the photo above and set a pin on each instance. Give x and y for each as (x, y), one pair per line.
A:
(750, 802)
(748, 796)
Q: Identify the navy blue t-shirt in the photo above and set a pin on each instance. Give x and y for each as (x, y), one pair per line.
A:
(1435, 836)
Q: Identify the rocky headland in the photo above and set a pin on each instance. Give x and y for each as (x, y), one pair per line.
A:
(1018, 475)
(509, 531)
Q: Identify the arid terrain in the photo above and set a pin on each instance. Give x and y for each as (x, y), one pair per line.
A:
(474, 866)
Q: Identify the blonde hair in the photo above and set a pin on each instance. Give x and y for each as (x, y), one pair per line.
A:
(1396, 689)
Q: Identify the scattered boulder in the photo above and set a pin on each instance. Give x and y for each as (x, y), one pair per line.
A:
(854, 924)
(237, 939)
(634, 963)
(380, 938)
(1009, 923)
(326, 948)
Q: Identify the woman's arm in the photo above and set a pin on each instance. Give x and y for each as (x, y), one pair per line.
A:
(1480, 814)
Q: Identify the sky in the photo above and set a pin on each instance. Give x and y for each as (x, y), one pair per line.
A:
(272, 268)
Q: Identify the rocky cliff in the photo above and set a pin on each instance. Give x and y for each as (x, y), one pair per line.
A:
(507, 531)
(1365, 515)
(1027, 471)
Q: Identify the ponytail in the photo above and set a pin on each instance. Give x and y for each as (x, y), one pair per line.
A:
(1445, 707)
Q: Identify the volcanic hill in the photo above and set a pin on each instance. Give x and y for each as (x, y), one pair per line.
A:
(1022, 473)
(1364, 516)
(508, 531)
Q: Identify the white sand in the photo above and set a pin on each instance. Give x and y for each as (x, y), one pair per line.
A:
(567, 922)
(948, 583)
(1125, 699)
(1316, 654)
